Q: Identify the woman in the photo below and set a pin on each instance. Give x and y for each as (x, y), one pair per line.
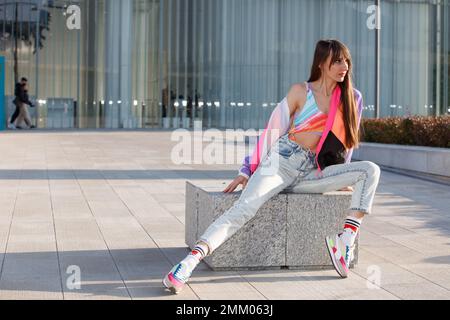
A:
(306, 147)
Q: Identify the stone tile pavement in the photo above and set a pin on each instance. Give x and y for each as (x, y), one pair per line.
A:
(110, 205)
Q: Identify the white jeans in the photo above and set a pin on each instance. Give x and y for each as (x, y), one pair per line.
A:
(295, 171)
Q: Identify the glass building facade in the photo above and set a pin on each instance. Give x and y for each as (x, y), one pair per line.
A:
(166, 63)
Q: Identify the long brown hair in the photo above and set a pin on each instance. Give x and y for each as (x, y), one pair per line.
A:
(323, 49)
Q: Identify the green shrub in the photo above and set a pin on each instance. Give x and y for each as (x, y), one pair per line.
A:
(414, 130)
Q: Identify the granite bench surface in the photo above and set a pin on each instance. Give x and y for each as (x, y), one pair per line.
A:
(288, 231)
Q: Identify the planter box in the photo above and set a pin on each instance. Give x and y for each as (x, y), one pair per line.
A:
(415, 158)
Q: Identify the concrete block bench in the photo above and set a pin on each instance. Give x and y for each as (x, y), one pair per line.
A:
(287, 232)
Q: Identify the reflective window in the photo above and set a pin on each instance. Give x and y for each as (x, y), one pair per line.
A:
(164, 64)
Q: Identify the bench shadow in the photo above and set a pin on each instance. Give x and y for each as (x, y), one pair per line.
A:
(438, 260)
(117, 273)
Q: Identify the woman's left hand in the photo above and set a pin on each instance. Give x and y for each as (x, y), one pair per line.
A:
(346, 189)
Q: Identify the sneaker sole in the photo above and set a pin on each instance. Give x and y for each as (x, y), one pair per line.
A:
(333, 260)
(166, 282)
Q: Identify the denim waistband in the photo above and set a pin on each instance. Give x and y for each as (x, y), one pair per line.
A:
(297, 147)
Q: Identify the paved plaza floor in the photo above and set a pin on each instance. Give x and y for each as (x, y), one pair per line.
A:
(109, 206)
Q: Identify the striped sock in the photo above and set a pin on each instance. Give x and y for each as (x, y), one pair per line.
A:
(351, 228)
(196, 255)
(200, 251)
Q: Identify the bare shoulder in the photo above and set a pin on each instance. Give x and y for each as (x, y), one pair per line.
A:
(298, 88)
(296, 96)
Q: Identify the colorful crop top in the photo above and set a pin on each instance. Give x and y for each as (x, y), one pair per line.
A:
(310, 119)
(331, 149)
